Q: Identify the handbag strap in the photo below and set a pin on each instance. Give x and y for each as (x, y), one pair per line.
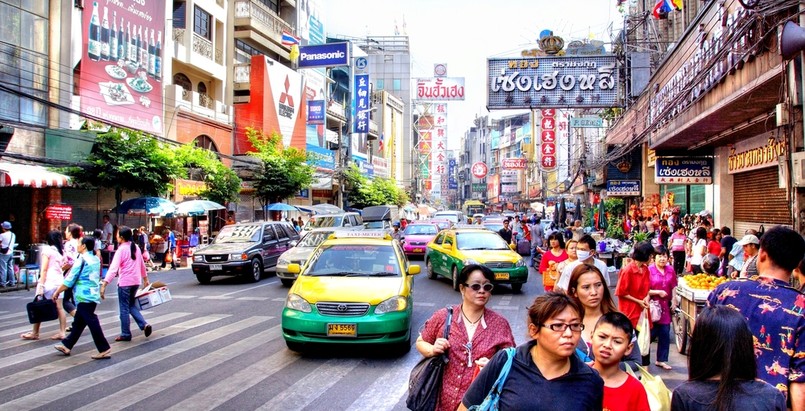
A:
(491, 399)
(448, 322)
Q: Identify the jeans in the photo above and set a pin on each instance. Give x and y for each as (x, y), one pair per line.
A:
(128, 306)
(663, 334)
(7, 270)
(85, 317)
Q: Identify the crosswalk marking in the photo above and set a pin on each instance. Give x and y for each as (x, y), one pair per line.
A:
(129, 396)
(61, 364)
(297, 396)
(14, 315)
(183, 297)
(55, 392)
(215, 297)
(389, 388)
(45, 331)
(421, 304)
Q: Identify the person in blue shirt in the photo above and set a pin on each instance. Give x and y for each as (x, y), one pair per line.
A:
(84, 278)
(171, 239)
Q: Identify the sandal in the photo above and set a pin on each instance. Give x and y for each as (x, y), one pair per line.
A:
(29, 336)
(62, 349)
(103, 355)
(664, 366)
(57, 337)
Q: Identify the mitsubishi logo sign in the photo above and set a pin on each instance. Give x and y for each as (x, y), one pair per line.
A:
(286, 106)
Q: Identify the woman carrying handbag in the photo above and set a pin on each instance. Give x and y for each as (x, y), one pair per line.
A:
(52, 260)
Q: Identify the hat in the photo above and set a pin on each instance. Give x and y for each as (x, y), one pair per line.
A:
(396, 224)
(6, 225)
(749, 239)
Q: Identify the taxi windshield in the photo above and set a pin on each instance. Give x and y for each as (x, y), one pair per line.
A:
(238, 234)
(480, 241)
(334, 221)
(350, 260)
(314, 239)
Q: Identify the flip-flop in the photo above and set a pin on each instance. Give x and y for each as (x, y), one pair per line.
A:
(664, 366)
(62, 349)
(103, 355)
(57, 338)
(29, 336)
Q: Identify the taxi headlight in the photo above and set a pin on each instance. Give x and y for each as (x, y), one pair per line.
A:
(396, 303)
(238, 257)
(198, 258)
(296, 302)
(470, 261)
(520, 263)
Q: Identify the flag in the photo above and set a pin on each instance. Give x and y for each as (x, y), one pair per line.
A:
(677, 4)
(294, 54)
(289, 39)
(380, 143)
(661, 9)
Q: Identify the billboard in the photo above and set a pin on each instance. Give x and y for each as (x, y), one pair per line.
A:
(572, 82)
(669, 170)
(324, 55)
(121, 64)
(440, 89)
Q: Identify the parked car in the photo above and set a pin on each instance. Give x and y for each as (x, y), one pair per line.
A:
(452, 249)
(349, 219)
(299, 253)
(245, 250)
(355, 289)
(416, 237)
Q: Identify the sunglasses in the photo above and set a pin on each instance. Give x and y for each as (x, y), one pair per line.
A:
(477, 287)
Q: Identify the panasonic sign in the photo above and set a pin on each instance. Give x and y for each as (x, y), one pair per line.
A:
(324, 55)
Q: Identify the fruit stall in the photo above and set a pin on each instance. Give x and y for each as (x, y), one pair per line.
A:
(691, 296)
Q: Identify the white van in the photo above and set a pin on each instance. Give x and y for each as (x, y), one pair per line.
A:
(456, 217)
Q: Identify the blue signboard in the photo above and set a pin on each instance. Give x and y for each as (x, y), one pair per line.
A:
(366, 168)
(315, 112)
(452, 184)
(320, 157)
(623, 188)
(324, 55)
(360, 104)
(669, 170)
(316, 30)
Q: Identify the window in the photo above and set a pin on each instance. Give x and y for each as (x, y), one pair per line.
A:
(246, 47)
(205, 142)
(23, 61)
(281, 234)
(289, 231)
(271, 4)
(380, 84)
(178, 14)
(181, 80)
(396, 85)
(268, 234)
(201, 88)
(201, 23)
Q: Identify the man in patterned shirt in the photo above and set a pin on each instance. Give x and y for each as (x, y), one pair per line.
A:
(775, 313)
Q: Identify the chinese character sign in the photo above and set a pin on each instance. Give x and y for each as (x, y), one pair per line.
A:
(548, 140)
(360, 101)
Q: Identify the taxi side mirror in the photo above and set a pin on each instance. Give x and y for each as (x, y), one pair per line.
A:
(414, 270)
(294, 268)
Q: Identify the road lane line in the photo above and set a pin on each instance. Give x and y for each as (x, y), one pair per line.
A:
(421, 304)
(251, 298)
(133, 394)
(223, 391)
(389, 388)
(53, 394)
(264, 284)
(48, 349)
(183, 297)
(64, 363)
(214, 297)
(298, 395)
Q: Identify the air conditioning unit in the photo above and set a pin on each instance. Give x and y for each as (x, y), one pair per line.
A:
(798, 168)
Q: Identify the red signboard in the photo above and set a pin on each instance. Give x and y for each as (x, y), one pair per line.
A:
(548, 162)
(121, 63)
(548, 123)
(548, 149)
(59, 212)
(548, 136)
(515, 163)
(479, 170)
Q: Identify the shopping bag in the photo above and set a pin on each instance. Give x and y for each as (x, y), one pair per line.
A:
(656, 310)
(42, 309)
(644, 332)
(659, 396)
(168, 257)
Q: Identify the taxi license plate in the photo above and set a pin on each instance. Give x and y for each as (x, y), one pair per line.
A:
(216, 267)
(417, 250)
(342, 330)
(501, 276)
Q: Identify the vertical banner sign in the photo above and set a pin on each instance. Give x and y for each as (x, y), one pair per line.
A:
(548, 139)
(451, 171)
(360, 123)
(121, 63)
(315, 112)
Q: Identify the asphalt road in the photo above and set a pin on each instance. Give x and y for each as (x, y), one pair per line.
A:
(220, 346)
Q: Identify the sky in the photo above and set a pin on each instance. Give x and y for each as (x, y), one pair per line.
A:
(464, 33)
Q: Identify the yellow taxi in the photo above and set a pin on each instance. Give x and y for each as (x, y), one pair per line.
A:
(356, 288)
(452, 249)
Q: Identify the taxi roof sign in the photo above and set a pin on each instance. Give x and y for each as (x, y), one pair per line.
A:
(376, 234)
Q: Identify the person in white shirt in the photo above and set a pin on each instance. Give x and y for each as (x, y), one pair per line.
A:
(7, 240)
(584, 252)
(108, 231)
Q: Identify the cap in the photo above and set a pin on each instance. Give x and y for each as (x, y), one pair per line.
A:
(396, 224)
(6, 225)
(749, 239)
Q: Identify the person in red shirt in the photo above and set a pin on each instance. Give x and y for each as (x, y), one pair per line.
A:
(714, 245)
(612, 341)
(633, 283)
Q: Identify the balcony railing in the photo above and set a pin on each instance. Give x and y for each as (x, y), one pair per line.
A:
(257, 11)
(198, 103)
(178, 35)
(202, 46)
(206, 101)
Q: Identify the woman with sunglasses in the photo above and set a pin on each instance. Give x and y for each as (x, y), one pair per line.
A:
(545, 374)
(476, 334)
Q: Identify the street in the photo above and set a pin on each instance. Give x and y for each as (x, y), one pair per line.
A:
(220, 346)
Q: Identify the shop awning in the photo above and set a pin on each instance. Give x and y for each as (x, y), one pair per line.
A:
(30, 176)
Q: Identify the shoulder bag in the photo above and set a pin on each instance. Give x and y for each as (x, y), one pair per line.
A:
(42, 309)
(490, 403)
(425, 382)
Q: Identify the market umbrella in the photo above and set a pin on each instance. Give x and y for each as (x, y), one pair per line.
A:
(577, 212)
(145, 206)
(562, 213)
(281, 207)
(602, 217)
(196, 207)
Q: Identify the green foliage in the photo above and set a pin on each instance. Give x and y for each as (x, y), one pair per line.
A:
(283, 170)
(640, 236)
(615, 228)
(128, 160)
(223, 184)
(614, 206)
(378, 191)
(589, 217)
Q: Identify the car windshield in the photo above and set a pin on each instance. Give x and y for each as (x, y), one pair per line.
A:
(448, 216)
(374, 224)
(349, 260)
(478, 240)
(333, 221)
(420, 229)
(494, 226)
(238, 234)
(314, 239)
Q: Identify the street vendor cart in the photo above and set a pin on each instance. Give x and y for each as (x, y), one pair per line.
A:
(689, 303)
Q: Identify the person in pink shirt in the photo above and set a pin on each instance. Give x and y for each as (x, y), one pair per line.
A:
(127, 264)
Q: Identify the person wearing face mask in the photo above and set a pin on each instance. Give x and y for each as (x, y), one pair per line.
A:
(584, 255)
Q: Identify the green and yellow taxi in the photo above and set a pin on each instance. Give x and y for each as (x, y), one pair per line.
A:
(452, 249)
(356, 288)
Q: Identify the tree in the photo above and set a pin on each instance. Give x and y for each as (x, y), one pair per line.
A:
(221, 182)
(128, 160)
(283, 171)
(378, 191)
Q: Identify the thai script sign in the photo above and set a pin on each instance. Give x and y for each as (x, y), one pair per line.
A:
(508, 188)
(515, 163)
(623, 188)
(478, 187)
(59, 212)
(440, 88)
(574, 82)
(324, 55)
(754, 154)
(360, 101)
(586, 122)
(669, 170)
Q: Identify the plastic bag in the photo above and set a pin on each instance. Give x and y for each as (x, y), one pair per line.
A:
(659, 396)
(656, 310)
(644, 333)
